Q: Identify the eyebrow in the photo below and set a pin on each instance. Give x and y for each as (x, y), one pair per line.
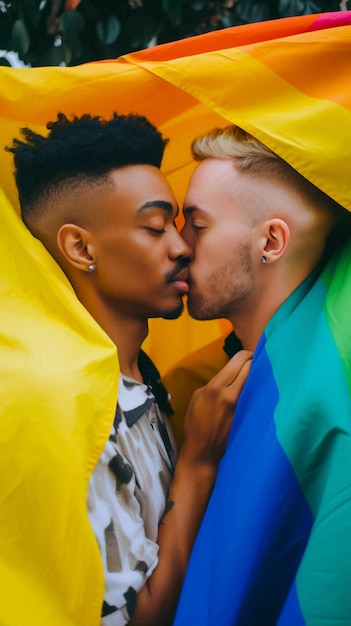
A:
(188, 210)
(157, 204)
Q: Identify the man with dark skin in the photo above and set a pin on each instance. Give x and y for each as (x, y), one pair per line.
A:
(93, 194)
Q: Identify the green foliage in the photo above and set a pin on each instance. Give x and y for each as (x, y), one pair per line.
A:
(20, 40)
(174, 10)
(70, 32)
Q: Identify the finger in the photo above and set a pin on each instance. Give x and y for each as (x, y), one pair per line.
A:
(230, 371)
(240, 379)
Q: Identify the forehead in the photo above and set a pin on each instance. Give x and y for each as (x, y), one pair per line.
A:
(215, 187)
(140, 182)
(131, 193)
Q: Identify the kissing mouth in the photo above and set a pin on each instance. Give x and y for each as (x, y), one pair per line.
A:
(179, 278)
(182, 276)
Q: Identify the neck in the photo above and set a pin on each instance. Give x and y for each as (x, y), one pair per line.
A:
(126, 332)
(250, 323)
(128, 335)
(249, 327)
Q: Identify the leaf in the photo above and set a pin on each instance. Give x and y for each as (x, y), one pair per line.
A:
(7, 17)
(289, 8)
(139, 28)
(54, 55)
(72, 24)
(20, 40)
(197, 5)
(5, 62)
(108, 29)
(249, 12)
(30, 14)
(174, 10)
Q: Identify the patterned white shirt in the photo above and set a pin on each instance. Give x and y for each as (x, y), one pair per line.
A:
(127, 497)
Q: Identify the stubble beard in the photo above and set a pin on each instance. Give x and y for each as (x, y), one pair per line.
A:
(226, 291)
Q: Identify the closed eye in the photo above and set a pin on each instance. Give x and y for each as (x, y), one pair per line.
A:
(197, 227)
(156, 231)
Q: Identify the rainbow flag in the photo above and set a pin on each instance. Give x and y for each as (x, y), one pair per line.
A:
(265, 77)
(58, 370)
(274, 547)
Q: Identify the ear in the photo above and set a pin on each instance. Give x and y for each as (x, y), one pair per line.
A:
(276, 240)
(75, 245)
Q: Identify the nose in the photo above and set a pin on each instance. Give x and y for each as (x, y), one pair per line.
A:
(179, 247)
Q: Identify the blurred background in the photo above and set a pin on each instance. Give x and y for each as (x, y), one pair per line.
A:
(70, 32)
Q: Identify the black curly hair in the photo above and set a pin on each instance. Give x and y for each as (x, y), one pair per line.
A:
(86, 148)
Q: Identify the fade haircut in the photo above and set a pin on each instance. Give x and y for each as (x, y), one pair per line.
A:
(234, 143)
(251, 156)
(79, 151)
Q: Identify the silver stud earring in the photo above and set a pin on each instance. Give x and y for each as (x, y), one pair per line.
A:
(263, 259)
(91, 267)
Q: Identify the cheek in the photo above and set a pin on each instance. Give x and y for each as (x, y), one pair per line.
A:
(125, 250)
(212, 248)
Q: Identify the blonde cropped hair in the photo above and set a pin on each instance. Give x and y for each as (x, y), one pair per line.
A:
(251, 156)
(233, 143)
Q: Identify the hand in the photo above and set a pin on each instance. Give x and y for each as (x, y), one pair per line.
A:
(210, 412)
(208, 422)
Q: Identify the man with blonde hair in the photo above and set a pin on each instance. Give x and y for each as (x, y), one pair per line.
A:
(271, 253)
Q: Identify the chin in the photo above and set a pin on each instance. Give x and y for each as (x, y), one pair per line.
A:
(199, 311)
(174, 314)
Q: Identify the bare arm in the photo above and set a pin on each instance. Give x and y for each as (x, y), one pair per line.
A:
(207, 425)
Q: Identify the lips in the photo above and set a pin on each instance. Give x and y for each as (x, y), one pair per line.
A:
(180, 280)
(183, 275)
